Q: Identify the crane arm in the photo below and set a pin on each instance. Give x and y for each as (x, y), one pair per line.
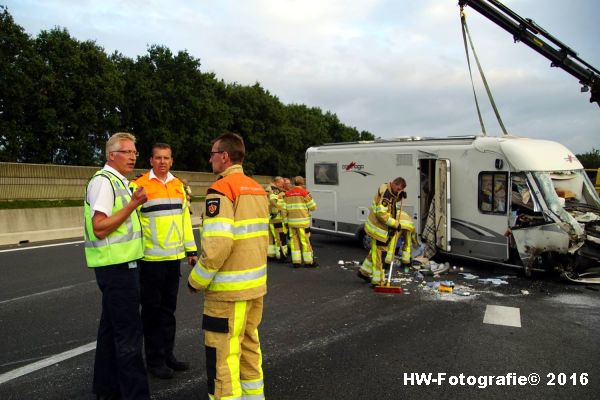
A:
(527, 31)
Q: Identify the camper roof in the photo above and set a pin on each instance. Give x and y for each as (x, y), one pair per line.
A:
(523, 154)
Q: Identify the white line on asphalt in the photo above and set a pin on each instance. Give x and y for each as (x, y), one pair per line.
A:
(501, 315)
(51, 245)
(27, 369)
(39, 247)
(45, 292)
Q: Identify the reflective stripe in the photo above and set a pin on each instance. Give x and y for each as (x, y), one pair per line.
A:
(161, 201)
(244, 276)
(251, 230)
(253, 384)
(218, 227)
(253, 396)
(163, 252)
(107, 241)
(369, 226)
(162, 213)
(295, 206)
(201, 275)
(298, 220)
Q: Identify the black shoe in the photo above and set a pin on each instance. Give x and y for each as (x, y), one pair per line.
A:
(294, 265)
(313, 265)
(162, 372)
(176, 365)
(363, 277)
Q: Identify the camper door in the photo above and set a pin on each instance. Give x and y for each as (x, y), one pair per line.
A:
(442, 204)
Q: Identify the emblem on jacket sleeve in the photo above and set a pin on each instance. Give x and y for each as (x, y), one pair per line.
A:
(212, 207)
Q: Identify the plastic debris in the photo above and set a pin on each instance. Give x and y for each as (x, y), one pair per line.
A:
(341, 262)
(493, 281)
(469, 276)
(525, 292)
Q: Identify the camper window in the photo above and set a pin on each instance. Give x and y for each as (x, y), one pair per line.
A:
(492, 192)
(326, 174)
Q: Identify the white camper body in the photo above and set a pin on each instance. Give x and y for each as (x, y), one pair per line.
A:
(496, 198)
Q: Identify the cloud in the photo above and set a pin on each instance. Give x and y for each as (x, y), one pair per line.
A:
(390, 67)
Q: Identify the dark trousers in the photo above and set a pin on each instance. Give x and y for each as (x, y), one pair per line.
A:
(119, 364)
(159, 286)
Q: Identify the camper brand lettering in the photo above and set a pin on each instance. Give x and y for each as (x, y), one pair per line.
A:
(484, 381)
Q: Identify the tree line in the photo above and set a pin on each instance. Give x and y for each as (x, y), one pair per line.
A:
(60, 99)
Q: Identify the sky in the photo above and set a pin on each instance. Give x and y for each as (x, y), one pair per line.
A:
(391, 67)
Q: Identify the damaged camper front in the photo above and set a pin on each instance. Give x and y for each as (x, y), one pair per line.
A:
(555, 223)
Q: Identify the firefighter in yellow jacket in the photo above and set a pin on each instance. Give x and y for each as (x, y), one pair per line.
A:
(381, 226)
(232, 271)
(298, 205)
(168, 238)
(278, 247)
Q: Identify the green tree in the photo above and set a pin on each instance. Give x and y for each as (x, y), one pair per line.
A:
(19, 68)
(168, 99)
(591, 159)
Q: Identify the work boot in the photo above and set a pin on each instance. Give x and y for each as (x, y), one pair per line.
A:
(314, 264)
(162, 372)
(363, 277)
(177, 365)
(296, 265)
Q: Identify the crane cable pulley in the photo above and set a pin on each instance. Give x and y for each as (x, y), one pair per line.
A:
(466, 34)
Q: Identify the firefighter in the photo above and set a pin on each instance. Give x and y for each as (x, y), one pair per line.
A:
(278, 248)
(382, 226)
(298, 205)
(232, 271)
(168, 238)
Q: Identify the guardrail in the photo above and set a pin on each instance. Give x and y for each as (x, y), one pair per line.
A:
(19, 181)
(61, 182)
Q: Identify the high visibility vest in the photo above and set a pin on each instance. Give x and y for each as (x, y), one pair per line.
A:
(165, 219)
(298, 204)
(382, 214)
(122, 245)
(233, 263)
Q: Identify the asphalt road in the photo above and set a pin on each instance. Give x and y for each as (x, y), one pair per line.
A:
(325, 333)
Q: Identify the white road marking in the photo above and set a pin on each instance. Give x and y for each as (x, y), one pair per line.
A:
(40, 247)
(45, 292)
(52, 245)
(500, 315)
(27, 369)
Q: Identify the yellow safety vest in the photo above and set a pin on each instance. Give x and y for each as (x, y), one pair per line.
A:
(121, 245)
(165, 219)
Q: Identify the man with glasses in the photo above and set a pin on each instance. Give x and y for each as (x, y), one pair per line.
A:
(113, 244)
(168, 238)
(232, 271)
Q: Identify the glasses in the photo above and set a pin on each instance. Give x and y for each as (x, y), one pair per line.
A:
(128, 152)
(212, 153)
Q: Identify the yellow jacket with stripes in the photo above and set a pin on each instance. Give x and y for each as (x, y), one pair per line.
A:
(276, 204)
(165, 218)
(382, 214)
(298, 205)
(233, 260)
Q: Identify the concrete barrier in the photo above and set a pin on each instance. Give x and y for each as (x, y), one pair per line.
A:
(42, 224)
